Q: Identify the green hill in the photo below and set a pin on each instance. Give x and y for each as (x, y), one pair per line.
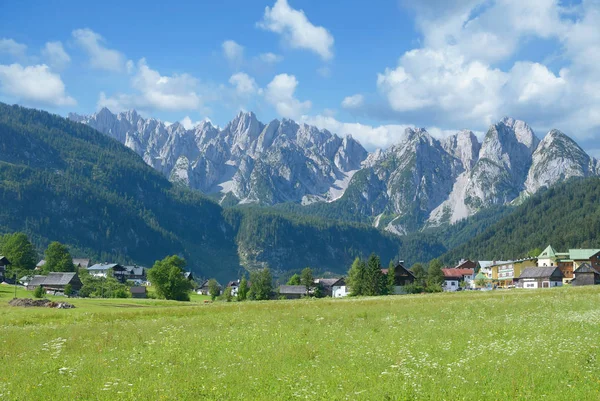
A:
(64, 181)
(566, 215)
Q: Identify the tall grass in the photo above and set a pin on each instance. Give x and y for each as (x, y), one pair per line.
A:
(471, 346)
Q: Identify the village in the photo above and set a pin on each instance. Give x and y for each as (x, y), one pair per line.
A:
(576, 267)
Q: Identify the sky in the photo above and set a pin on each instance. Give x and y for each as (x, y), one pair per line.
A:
(369, 69)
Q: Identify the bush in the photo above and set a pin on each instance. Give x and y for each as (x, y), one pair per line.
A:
(39, 292)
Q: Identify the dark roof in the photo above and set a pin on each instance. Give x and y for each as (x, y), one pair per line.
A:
(55, 278)
(138, 290)
(540, 272)
(135, 270)
(4, 260)
(328, 282)
(292, 289)
(234, 283)
(586, 268)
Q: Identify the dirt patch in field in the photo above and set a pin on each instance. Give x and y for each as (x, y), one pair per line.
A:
(44, 303)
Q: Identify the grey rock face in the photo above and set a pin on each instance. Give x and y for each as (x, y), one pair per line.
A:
(279, 162)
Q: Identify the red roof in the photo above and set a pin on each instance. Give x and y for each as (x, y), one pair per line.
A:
(457, 272)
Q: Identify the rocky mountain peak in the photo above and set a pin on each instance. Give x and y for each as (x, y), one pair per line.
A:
(465, 146)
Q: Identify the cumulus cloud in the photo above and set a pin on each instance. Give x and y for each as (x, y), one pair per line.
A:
(14, 49)
(469, 71)
(296, 30)
(244, 84)
(34, 85)
(233, 52)
(100, 56)
(188, 123)
(56, 55)
(156, 92)
(280, 94)
(353, 102)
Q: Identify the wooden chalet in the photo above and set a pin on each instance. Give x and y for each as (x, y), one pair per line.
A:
(56, 282)
(540, 277)
(402, 277)
(586, 275)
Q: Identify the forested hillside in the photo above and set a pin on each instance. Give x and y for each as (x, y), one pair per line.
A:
(566, 215)
(64, 181)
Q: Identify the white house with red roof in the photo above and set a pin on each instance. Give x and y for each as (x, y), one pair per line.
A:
(453, 277)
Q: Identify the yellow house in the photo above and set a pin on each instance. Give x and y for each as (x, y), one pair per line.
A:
(505, 273)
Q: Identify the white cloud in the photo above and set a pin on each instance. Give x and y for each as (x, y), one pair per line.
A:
(188, 123)
(270, 58)
(233, 52)
(369, 136)
(297, 31)
(34, 84)
(56, 55)
(16, 50)
(470, 70)
(157, 92)
(353, 102)
(441, 81)
(244, 84)
(100, 56)
(280, 93)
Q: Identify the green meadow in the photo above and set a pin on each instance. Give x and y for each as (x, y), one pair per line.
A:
(535, 345)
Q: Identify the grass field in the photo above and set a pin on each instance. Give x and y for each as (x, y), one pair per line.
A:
(539, 344)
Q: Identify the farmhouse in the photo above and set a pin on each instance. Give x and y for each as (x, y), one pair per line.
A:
(102, 269)
(135, 273)
(540, 277)
(333, 287)
(204, 290)
(56, 282)
(453, 278)
(402, 277)
(586, 275)
(292, 291)
(506, 273)
(3, 266)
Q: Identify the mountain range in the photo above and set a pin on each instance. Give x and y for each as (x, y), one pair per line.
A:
(418, 183)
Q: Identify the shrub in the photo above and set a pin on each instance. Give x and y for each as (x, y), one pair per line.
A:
(39, 292)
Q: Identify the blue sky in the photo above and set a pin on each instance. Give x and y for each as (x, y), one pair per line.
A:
(363, 68)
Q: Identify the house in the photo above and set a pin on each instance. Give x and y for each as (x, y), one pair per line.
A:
(506, 273)
(40, 264)
(189, 276)
(540, 277)
(25, 280)
(333, 287)
(485, 266)
(569, 261)
(136, 273)
(466, 264)
(292, 291)
(586, 275)
(102, 269)
(235, 286)
(204, 290)
(56, 282)
(402, 277)
(453, 277)
(4, 262)
(138, 291)
(480, 279)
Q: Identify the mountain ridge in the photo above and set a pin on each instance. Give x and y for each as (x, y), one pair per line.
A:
(421, 181)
